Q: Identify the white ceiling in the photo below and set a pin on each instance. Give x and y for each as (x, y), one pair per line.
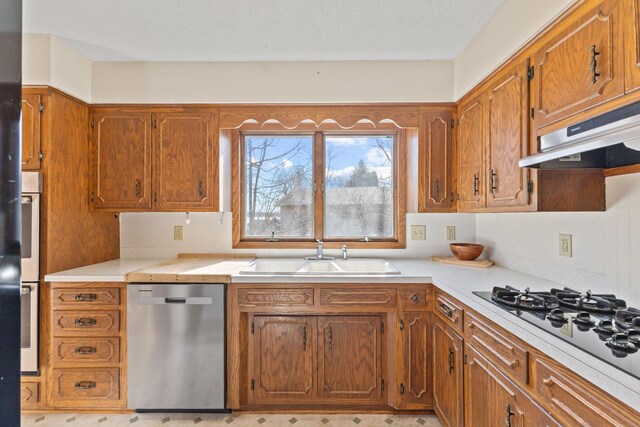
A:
(261, 30)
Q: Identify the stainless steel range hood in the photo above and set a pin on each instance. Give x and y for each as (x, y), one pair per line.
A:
(610, 140)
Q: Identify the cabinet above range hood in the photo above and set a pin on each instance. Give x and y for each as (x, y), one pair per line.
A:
(606, 141)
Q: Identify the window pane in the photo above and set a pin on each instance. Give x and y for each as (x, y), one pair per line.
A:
(359, 186)
(278, 177)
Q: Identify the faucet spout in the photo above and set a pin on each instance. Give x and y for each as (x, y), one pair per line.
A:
(320, 249)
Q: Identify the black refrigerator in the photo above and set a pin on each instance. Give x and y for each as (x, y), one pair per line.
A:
(10, 206)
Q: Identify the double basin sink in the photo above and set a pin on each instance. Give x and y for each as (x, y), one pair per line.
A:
(296, 266)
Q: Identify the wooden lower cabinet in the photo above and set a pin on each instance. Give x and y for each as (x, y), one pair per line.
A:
(416, 382)
(491, 399)
(448, 375)
(30, 394)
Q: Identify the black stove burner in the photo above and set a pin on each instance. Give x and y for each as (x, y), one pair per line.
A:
(583, 318)
(602, 303)
(620, 343)
(557, 315)
(605, 327)
(524, 299)
(629, 318)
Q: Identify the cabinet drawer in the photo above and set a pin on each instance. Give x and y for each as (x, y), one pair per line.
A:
(415, 298)
(363, 297)
(85, 386)
(30, 394)
(85, 297)
(576, 402)
(511, 358)
(93, 350)
(448, 311)
(86, 323)
(262, 297)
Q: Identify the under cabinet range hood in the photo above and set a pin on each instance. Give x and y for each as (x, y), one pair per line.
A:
(606, 141)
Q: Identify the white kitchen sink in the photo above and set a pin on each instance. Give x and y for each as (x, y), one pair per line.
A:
(293, 266)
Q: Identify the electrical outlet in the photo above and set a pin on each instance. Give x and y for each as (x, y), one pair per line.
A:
(565, 245)
(450, 232)
(567, 328)
(178, 232)
(418, 232)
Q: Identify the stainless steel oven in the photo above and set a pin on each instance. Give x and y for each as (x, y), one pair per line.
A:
(31, 194)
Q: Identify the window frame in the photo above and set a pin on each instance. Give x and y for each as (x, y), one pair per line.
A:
(397, 241)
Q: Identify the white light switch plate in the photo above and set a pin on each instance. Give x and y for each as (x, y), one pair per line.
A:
(418, 232)
(450, 232)
(565, 245)
(178, 232)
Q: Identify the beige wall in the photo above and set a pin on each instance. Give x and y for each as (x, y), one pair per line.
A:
(513, 25)
(47, 60)
(256, 82)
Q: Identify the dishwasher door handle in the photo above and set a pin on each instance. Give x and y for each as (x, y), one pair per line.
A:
(175, 300)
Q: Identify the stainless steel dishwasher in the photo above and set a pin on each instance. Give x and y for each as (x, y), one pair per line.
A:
(175, 346)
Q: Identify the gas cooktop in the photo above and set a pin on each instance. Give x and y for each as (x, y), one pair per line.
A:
(599, 324)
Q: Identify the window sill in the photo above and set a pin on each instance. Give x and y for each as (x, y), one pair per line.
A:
(256, 244)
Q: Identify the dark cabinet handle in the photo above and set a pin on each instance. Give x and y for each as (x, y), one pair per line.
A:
(446, 310)
(85, 297)
(475, 184)
(415, 298)
(304, 339)
(155, 196)
(201, 192)
(507, 418)
(330, 338)
(492, 181)
(86, 350)
(594, 64)
(86, 322)
(402, 325)
(451, 365)
(437, 189)
(138, 191)
(451, 197)
(85, 385)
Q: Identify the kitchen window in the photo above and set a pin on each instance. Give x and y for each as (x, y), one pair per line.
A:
(339, 187)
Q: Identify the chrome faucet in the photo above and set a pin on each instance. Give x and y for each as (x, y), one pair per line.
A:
(320, 249)
(344, 252)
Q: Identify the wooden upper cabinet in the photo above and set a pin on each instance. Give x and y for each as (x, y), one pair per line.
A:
(186, 161)
(121, 157)
(508, 106)
(471, 140)
(580, 64)
(284, 362)
(435, 154)
(350, 358)
(31, 113)
(447, 375)
(416, 381)
(632, 45)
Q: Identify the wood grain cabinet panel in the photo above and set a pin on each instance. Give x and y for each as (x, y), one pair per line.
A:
(30, 394)
(416, 299)
(580, 64)
(284, 361)
(350, 358)
(435, 160)
(632, 45)
(31, 131)
(508, 104)
(448, 311)
(85, 387)
(448, 395)
(416, 384)
(85, 297)
(471, 145)
(275, 297)
(359, 296)
(121, 160)
(510, 357)
(186, 161)
(85, 323)
(85, 350)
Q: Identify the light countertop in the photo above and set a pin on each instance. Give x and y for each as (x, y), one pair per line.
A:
(459, 282)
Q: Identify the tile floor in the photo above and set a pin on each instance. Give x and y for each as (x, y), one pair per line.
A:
(245, 420)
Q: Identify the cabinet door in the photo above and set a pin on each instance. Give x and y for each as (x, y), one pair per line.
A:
(185, 163)
(31, 131)
(472, 136)
(447, 375)
(415, 381)
(350, 358)
(283, 359)
(121, 160)
(435, 163)
(632, 45)
(490, 399)
(580, 65)
(508, 109)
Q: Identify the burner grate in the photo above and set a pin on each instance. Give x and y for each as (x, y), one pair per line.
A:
(524, 299)
(594, 303)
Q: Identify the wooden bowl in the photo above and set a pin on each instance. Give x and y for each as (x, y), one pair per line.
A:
(466, 251)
